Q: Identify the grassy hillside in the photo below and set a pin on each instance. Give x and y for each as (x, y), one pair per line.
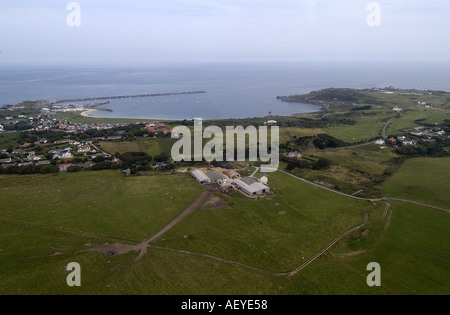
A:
(422, 179)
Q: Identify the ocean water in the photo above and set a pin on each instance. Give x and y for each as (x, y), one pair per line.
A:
(233, 90)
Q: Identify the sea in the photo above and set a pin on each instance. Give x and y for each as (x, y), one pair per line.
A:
(233, 90)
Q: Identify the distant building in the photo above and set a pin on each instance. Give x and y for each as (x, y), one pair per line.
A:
(380, 142)
(62, 155)
(409, 142)
(264, 179)
(64, 167)
(201, 177)
(233, 174)
(5, 161)
(295, 154)
(84, 148)
(392, 140)
(251, 186)
(216, 177)
(226, 166)
(272, 122)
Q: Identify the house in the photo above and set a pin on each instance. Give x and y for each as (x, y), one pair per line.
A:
(409, 142)
(62, 155)
(272, 122)
(5, 161)
(264, 179)
(294, 154)
(83, 148)
(116, 160)
(114, 138)
(19, 151)
(100, 155)
(251, 186)
(26, 145)
(64, 167)
(25, 164)
(201, 177)
(392, 140)
(33, 157)
(151, 129)
(380, 142)
(401, 138)
(1, 128)
(233, 174)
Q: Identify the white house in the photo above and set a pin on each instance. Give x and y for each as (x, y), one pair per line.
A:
(409, 142)
(264, 179)
(1, 128)
(295, 154)
(380, 142)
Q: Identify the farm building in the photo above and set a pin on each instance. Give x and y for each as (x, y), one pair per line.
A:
(251, 186)
(216, 177)
(233, 174)
(201, 177)
(226, 166)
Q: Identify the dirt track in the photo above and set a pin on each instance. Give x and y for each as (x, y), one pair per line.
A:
(118, 249)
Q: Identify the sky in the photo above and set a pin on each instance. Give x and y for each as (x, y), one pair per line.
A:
(140, 32)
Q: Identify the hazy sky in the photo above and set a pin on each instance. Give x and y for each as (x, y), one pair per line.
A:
(124, 32)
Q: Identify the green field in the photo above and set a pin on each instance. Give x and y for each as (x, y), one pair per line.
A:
(48, 221)
(367, 127)
(149, 146)
(422, 179)
(413, 255)
(104, 202)
(77, 118)
(255, 233)
(407, 122)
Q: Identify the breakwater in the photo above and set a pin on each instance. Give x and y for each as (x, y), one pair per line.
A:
(124, 96)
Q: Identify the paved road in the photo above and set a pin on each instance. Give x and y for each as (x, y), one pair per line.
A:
(417, 203)
(329, 189)
(383, 132)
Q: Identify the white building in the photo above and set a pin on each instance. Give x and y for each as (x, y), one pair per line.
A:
(380, 142)
(251, 186)
(201, 177)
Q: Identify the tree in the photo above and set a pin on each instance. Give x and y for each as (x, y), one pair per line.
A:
(131, 134)
(48, 169)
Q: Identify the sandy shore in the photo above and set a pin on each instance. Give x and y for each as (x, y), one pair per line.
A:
(88, 113)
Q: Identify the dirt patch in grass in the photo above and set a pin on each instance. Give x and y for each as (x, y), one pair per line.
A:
(114, 249)
(215, 203)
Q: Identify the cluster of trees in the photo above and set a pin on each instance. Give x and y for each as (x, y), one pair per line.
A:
(21, 125)
(293, 163)
(321, 141)
(436, 148)
(29, 169)
(356, 109)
